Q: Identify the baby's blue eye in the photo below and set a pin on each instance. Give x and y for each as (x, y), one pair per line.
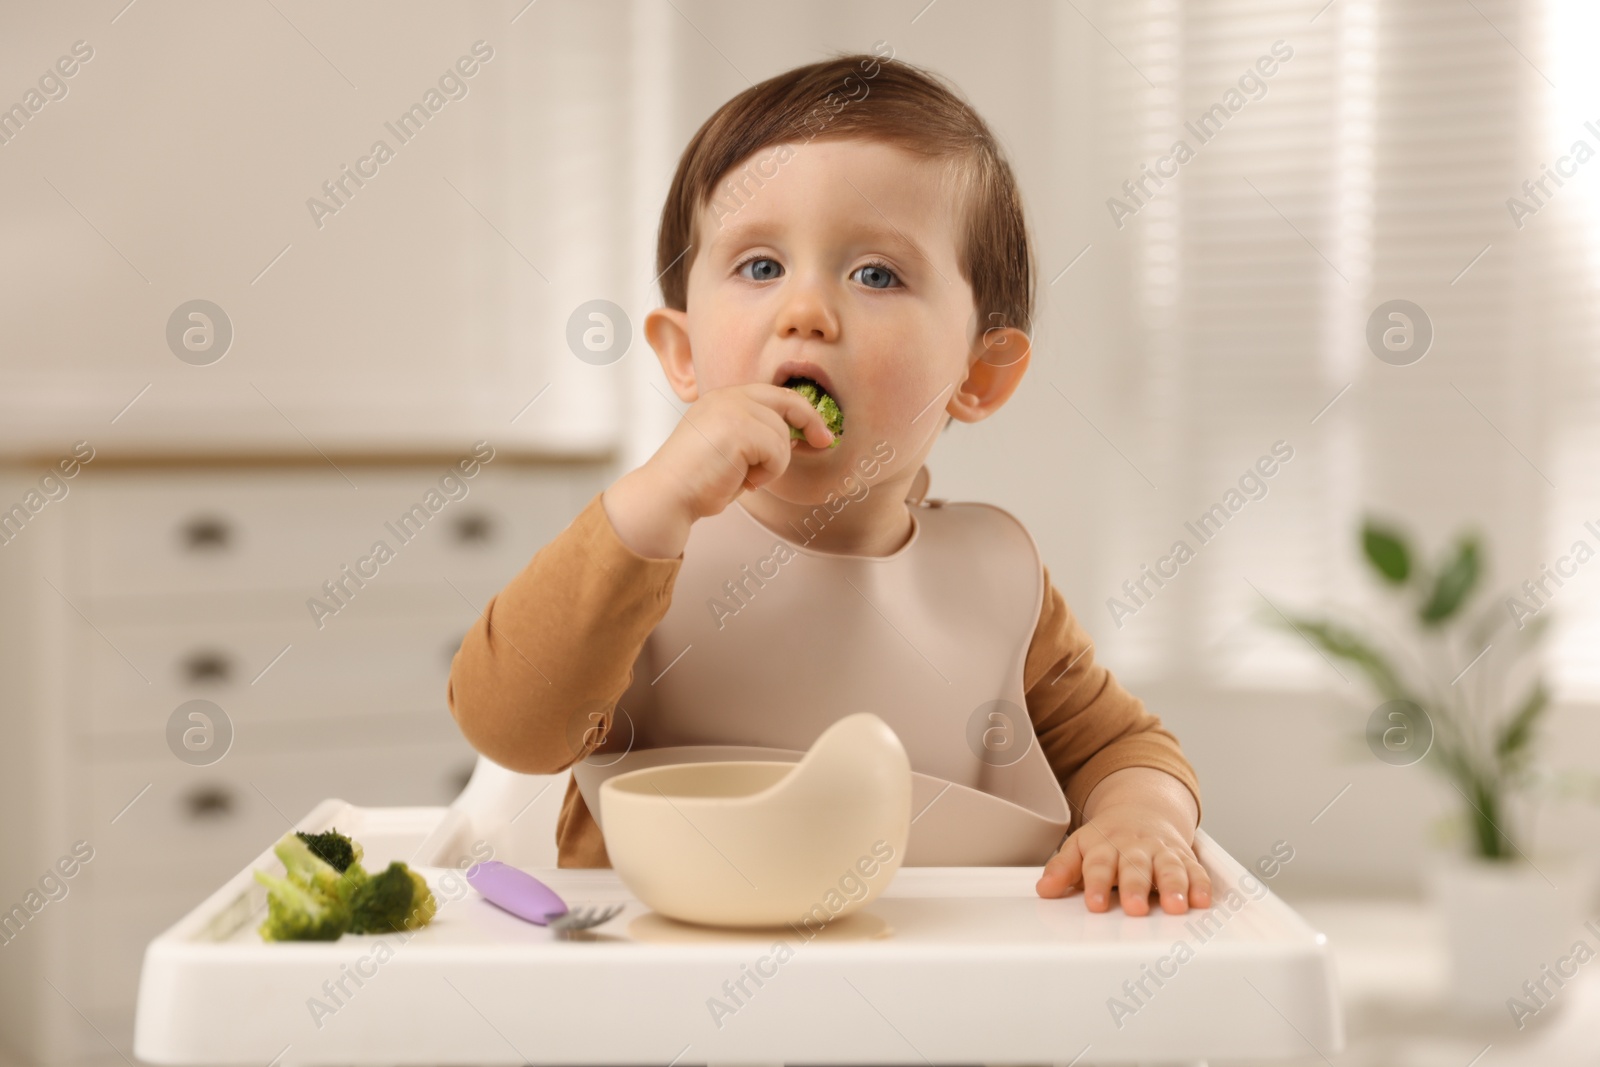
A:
(760, 269)
(876, 276)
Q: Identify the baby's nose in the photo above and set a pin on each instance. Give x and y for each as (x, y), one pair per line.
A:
(807, 315)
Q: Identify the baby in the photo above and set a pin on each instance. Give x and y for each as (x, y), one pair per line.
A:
(851, 222)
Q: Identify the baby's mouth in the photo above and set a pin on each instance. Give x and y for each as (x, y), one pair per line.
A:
(826, 406)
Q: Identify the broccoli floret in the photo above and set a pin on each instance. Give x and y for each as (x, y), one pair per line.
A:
(295, 913)
(826, 406)
(305, 904)
(423, 906)
(333, 847)
(304, 867)
(318, 900)
(396, 898)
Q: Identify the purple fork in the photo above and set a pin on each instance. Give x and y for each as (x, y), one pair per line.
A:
(529, 899)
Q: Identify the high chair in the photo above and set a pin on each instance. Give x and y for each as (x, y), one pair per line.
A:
(952, 965)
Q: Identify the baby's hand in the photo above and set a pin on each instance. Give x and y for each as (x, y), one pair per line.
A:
(1134, 839)
(731, 439)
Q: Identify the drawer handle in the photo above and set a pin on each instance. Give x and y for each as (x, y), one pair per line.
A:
(208, 802)
(474, 529)
(208, 667)
(207, 533)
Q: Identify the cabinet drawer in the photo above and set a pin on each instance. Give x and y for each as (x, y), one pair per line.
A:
(353, 666)
(110, 940)
(195, 827)
(157, 534)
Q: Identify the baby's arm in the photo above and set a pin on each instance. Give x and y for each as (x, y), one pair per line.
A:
(1133, 794)
(536, 680)
(537, 676)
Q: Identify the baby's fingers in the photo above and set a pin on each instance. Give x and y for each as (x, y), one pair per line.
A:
(1199, 883)
(1172, 879)
(767, 455)
(797, 412)
(1134, 881)
(1062, 871)
(1099, 872)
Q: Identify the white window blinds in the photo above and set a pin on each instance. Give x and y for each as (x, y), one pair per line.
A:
(1288, 170)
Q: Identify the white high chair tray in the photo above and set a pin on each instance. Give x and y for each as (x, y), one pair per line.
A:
(974, 967)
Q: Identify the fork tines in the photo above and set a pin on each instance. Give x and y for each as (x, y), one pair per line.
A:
(578, 919)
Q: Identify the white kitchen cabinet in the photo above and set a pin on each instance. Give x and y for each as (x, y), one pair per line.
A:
(147, 587)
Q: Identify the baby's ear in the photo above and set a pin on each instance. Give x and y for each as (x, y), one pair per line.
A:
(667, 330)
(999, 359)
(1001, 346)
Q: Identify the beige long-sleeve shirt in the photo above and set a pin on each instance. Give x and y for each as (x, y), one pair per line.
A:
(563, 636)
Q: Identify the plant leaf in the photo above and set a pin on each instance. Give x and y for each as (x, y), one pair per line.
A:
(1454, 582)
(1518, 730)
(1337, 640)
(1387, 552)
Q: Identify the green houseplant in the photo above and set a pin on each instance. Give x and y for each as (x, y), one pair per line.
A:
(1463, 693)
(1447, 684)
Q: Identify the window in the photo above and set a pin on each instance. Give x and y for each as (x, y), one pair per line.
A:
(1289, 170)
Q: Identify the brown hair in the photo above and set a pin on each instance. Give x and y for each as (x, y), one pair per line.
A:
(893, 102)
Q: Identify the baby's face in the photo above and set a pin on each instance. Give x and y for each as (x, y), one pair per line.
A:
(845, 259)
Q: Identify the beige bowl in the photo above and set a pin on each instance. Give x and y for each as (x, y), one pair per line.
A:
(758, 843)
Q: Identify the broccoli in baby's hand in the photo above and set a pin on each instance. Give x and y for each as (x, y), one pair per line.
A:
(305, 904)
(825, 404)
